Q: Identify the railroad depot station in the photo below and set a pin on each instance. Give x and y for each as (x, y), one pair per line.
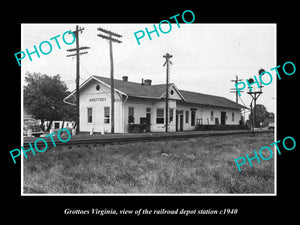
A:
(143, 104)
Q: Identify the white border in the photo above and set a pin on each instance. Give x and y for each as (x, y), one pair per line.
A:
(130, 194)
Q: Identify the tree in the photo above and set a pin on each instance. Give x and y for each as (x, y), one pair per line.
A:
(43, 96)
(261, 114)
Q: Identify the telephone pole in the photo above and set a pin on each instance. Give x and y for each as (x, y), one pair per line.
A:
(167, 57)
(235, 90)
(77, 54)
(252, 119)
(255, 94)
(112, 82)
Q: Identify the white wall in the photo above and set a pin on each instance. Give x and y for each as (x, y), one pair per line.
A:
(203, 114)
(140, 105)
(161, 104)
(101, 99)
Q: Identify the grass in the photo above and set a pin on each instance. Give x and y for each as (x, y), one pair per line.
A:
(199, 165)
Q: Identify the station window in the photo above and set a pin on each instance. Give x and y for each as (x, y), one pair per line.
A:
(106, 114)
(160, 116)
(171, 115)
(232, 117)
(130, 115)
(148, 115)
(89, 115)
(187, 114)
(193, 117)
(212, 116)
(56, 125)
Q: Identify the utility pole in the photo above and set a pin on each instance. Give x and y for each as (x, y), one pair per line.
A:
(255, 94)
(77, 54)
(167, 57)
(235, 90)
(112, 82)
(252, 119)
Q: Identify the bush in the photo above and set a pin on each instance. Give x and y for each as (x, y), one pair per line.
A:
(221, 127)
(138, 128)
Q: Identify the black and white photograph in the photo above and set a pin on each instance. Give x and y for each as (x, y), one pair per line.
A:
(155, 116)
(175, 112)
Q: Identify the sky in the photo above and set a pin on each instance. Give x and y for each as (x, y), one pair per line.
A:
(206, 57)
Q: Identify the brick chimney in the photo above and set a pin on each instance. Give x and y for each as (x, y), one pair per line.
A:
(148, 82)
(125, 78)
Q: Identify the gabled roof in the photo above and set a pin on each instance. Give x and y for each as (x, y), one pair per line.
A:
(135, 89)
(157, 91)
(204, 99)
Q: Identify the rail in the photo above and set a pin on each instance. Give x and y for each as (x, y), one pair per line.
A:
(126, 138)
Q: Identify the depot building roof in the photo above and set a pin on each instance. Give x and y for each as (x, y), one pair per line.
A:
(148, 90)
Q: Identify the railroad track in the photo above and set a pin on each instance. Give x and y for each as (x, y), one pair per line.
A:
(129, 138)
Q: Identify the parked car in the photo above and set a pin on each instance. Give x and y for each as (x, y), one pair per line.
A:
(31, 123)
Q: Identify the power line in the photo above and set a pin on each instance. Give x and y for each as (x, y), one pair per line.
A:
(85, 68)
(235, 90)
(242, 101)
(112, 85)
(136, 66)
(77, 54)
